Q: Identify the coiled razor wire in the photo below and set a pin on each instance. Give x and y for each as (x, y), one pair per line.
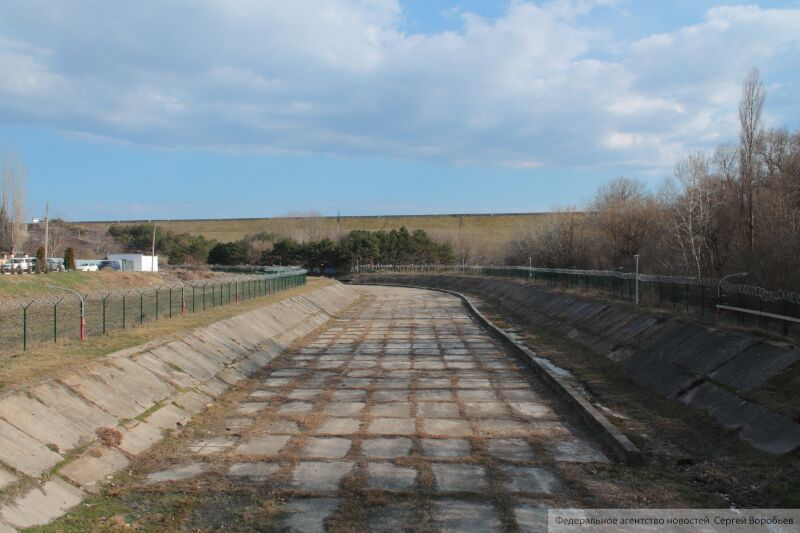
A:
(766, 295)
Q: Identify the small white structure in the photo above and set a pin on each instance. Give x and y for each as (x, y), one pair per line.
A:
(141, 263)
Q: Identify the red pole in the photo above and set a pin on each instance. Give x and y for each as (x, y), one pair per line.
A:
(183, 308)
(83, 329)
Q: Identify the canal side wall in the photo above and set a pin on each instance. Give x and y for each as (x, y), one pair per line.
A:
(708, 369)
(64, 437)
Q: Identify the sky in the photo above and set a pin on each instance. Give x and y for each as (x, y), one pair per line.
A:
(256, 108)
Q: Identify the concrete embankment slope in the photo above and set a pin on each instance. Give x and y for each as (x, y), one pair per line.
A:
(64, 437)
(709, 369)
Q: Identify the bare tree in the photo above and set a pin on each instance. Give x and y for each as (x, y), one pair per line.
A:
(750, 108)
(15, 185)
(621, 214)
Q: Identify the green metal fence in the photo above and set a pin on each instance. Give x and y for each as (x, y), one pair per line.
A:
(59, 317)
(777, 310)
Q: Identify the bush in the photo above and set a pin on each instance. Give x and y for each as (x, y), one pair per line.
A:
(69, 259)
(41, 260)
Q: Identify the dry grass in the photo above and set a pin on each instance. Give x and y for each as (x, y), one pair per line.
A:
(26, 286)
(19, 369)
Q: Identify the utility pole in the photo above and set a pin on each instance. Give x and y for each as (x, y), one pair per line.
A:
(44, 267)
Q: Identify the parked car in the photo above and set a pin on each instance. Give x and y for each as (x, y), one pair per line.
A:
(87, 267)
(110, 264)
(55, 265)
(18, 265)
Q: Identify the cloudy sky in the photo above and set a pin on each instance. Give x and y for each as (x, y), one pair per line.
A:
(245, 108)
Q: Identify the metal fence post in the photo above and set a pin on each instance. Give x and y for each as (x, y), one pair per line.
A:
(204, 296)
(124, 297)
(141, 307)
(157, 291)
(55, 320)
(25, 325)
(170, 302)
(105, 299)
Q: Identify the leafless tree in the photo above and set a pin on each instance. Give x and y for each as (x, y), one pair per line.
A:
(750, 109)
(15, 185)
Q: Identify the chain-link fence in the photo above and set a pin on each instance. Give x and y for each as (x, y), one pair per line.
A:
(59, 317)
(712, 299)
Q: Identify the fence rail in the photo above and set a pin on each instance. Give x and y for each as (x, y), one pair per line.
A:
(59, 317)
(774, 309)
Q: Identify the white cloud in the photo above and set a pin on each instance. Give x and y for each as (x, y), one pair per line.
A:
(540, 86)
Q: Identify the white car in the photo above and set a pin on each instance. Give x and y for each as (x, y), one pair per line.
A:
(88, 267)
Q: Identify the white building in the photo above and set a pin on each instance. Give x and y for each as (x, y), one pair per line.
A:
(141, 263)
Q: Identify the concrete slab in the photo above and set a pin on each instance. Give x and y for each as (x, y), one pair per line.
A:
(212, 445)
(455, 477)
(457, 516)
(140, 438)
(392, 426)
(6, 478)
(444, 427)
(295, 408)
(213, 387)
(438, 410)
(528, 479)
(254, 471)
(391, 410)
(532, 410)
(179, 473)
(326, 447)
(5, 528)
(119, 403)
(386, 396)
(308, 515)
(42, 423)
(94, 467)
(316, 476)
(755, 365)
(168, 371)
(24, 453)
(531, 519)
(305, 394)
(263, 445)
(513, 450)
(41, 505)
(344, 408)
(485, 409)
(193, 401)
(169, 417)
(576, 451)
(339, 426)
(388, 448)
(386, 476)
(446, 448)
(83, 414)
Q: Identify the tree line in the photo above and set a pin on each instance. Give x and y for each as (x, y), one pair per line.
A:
(397, 246)
(735, 209)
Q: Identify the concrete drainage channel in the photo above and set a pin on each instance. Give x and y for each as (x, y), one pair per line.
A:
(63, 438)
(624, 450)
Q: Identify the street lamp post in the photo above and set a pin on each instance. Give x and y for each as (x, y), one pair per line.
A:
(83, 317)
(637, 278)
(719, 286)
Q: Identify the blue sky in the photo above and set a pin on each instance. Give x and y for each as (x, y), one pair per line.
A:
(248, 108)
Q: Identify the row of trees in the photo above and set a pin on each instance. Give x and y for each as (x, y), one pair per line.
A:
(734, 209)
(359, 246)
(264, 248)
